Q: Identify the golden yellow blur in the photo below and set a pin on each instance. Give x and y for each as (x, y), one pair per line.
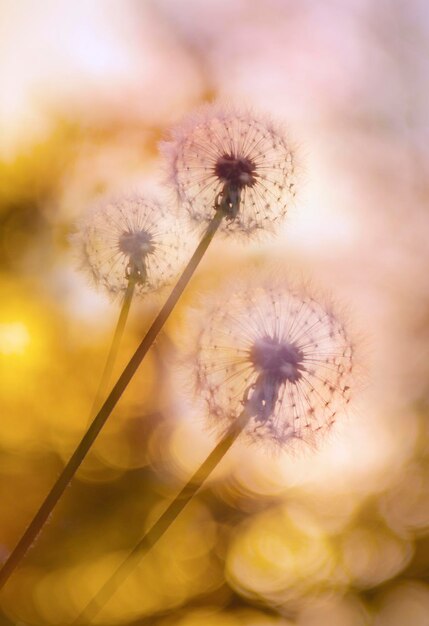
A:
(333, 537)
(14, 338)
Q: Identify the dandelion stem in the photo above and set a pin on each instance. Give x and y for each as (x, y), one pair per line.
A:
(109, 404)
(164, 522)
(114, 346)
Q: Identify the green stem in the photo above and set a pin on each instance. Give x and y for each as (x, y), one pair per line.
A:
(109, 404)
(164, 522)
(114, 347)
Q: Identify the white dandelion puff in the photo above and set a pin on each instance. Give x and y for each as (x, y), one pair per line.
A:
(130, 236)
(270, 361)
(233, 160)
(277, 353)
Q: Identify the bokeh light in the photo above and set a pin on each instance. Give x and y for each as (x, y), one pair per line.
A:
(14, 338)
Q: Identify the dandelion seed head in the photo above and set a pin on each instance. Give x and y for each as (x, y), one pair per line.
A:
(278, 352)
(130, 235)
(235, 160)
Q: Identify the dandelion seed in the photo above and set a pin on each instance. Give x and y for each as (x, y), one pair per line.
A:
(235, 161)
(279, 354)
(130, 236)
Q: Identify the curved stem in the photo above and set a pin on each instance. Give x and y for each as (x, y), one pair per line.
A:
(114, 347)
(109, 404)
(164, 522)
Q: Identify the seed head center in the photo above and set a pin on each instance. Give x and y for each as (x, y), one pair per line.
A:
(278, 359)
(136, 245)
(237, 172)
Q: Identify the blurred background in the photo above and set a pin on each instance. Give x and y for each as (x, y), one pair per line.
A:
(336, 537)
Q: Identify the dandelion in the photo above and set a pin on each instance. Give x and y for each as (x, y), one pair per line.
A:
(272, 362)
(233, 161)
(279, 354)
(128, 244)
(130, 237)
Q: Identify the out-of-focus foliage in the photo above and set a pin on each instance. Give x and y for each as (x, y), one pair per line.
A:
(337, 537)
